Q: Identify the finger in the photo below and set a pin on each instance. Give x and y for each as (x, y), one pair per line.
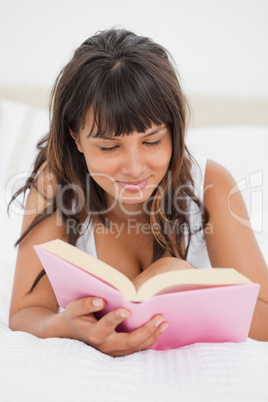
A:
(105, 327)
(149, 342)
(141, 334)
(139, 339)
(84, 306)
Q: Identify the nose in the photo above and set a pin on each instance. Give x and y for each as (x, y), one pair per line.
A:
(133, 163)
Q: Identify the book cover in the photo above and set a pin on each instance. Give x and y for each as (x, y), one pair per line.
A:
(195, 313)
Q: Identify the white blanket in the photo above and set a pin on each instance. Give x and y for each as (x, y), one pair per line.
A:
(33, 369)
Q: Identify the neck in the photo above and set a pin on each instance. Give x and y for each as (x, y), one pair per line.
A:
(123, 212)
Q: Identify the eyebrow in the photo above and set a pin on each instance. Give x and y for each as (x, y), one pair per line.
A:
(157, 130)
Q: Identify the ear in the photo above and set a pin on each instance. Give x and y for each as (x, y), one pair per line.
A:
(76, 139)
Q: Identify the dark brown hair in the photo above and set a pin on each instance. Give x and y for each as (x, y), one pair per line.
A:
(129, 82)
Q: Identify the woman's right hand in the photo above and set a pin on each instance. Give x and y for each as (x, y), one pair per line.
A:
(101, 334)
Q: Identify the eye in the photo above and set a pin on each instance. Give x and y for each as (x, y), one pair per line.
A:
(108, 149)
(152, 143)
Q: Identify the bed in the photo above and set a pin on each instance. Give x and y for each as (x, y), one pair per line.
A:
(232, 131)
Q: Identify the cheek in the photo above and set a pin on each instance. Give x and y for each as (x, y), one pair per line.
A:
(96, 163)
(162, 159)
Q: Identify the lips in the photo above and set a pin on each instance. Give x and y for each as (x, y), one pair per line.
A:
(134, 186)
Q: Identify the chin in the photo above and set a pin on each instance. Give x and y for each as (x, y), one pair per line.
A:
(134, 198)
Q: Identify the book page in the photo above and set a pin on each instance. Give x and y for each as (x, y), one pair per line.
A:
(190, 279)
(156, 278)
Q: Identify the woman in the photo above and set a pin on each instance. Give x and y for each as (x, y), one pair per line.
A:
(115, 178)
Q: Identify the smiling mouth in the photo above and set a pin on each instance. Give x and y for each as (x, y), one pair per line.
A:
(134, 185)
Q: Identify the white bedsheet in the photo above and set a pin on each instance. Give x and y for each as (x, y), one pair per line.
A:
(33, 369)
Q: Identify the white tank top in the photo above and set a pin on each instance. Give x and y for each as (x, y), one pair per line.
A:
(197, 253)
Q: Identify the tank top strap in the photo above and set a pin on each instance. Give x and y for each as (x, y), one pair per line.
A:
(197, 252)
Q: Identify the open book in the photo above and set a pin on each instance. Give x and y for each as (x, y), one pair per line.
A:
(200, 305)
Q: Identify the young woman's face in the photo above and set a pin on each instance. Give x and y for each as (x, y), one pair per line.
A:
(129, 167)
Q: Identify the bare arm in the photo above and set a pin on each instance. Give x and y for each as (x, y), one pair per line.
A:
(231, 242)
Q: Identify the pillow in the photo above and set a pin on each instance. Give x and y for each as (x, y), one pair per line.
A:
(243, 150)
(21, 126)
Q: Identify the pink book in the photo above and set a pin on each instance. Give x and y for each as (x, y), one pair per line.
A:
(200, 305)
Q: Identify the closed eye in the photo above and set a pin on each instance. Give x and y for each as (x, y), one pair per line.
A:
(113, 148)
(108, 149)
(152, 143)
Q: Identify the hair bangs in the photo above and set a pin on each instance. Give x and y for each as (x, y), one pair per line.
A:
(127, 100)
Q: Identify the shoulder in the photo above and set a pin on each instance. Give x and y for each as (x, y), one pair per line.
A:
(45, 182)
(216, 174)
(219, 187)
(223, 200)
(42, 193)
(42, 189)
(40, 206)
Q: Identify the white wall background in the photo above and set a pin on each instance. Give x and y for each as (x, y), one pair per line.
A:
(220, 46)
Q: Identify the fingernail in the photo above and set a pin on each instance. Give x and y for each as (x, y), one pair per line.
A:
(164, 327)
(158, 322)
(97, 302)
(124, 314)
